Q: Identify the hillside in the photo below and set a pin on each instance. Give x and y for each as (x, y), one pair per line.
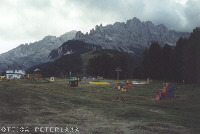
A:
(72, 47)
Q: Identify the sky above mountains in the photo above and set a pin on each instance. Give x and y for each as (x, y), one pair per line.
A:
(25, 21)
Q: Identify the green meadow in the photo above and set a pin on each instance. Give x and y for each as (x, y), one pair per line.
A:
(99, 109)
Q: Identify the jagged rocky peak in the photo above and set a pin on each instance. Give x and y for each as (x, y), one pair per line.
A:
(130, 34)
(67, 35)
(79, 34)
(98, 27)
(149, 25)
(133, 21)
(161, 27)
(119, 24)
(49, 37)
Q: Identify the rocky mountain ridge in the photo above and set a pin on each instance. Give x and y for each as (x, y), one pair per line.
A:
(27, 55)
(130, 36)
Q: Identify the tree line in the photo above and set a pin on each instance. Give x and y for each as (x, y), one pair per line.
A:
(180, 63)
(64, 66)
(105, 65)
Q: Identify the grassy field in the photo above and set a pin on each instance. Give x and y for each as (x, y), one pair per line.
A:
(97, 109)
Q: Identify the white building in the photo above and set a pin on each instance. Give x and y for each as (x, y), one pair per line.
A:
(15, 74)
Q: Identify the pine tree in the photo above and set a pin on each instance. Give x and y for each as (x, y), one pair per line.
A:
(192, 57)
(178, 60)
(166, 63)
(154, 61)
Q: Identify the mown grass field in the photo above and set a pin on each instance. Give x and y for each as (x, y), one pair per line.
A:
(96, 109)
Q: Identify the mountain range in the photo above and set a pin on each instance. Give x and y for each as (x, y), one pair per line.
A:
(27, 55)
(131, 37)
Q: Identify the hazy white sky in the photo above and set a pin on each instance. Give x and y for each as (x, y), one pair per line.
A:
(25, 21)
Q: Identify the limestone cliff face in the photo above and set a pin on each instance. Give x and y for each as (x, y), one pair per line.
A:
(130, 36)
(27, 55)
